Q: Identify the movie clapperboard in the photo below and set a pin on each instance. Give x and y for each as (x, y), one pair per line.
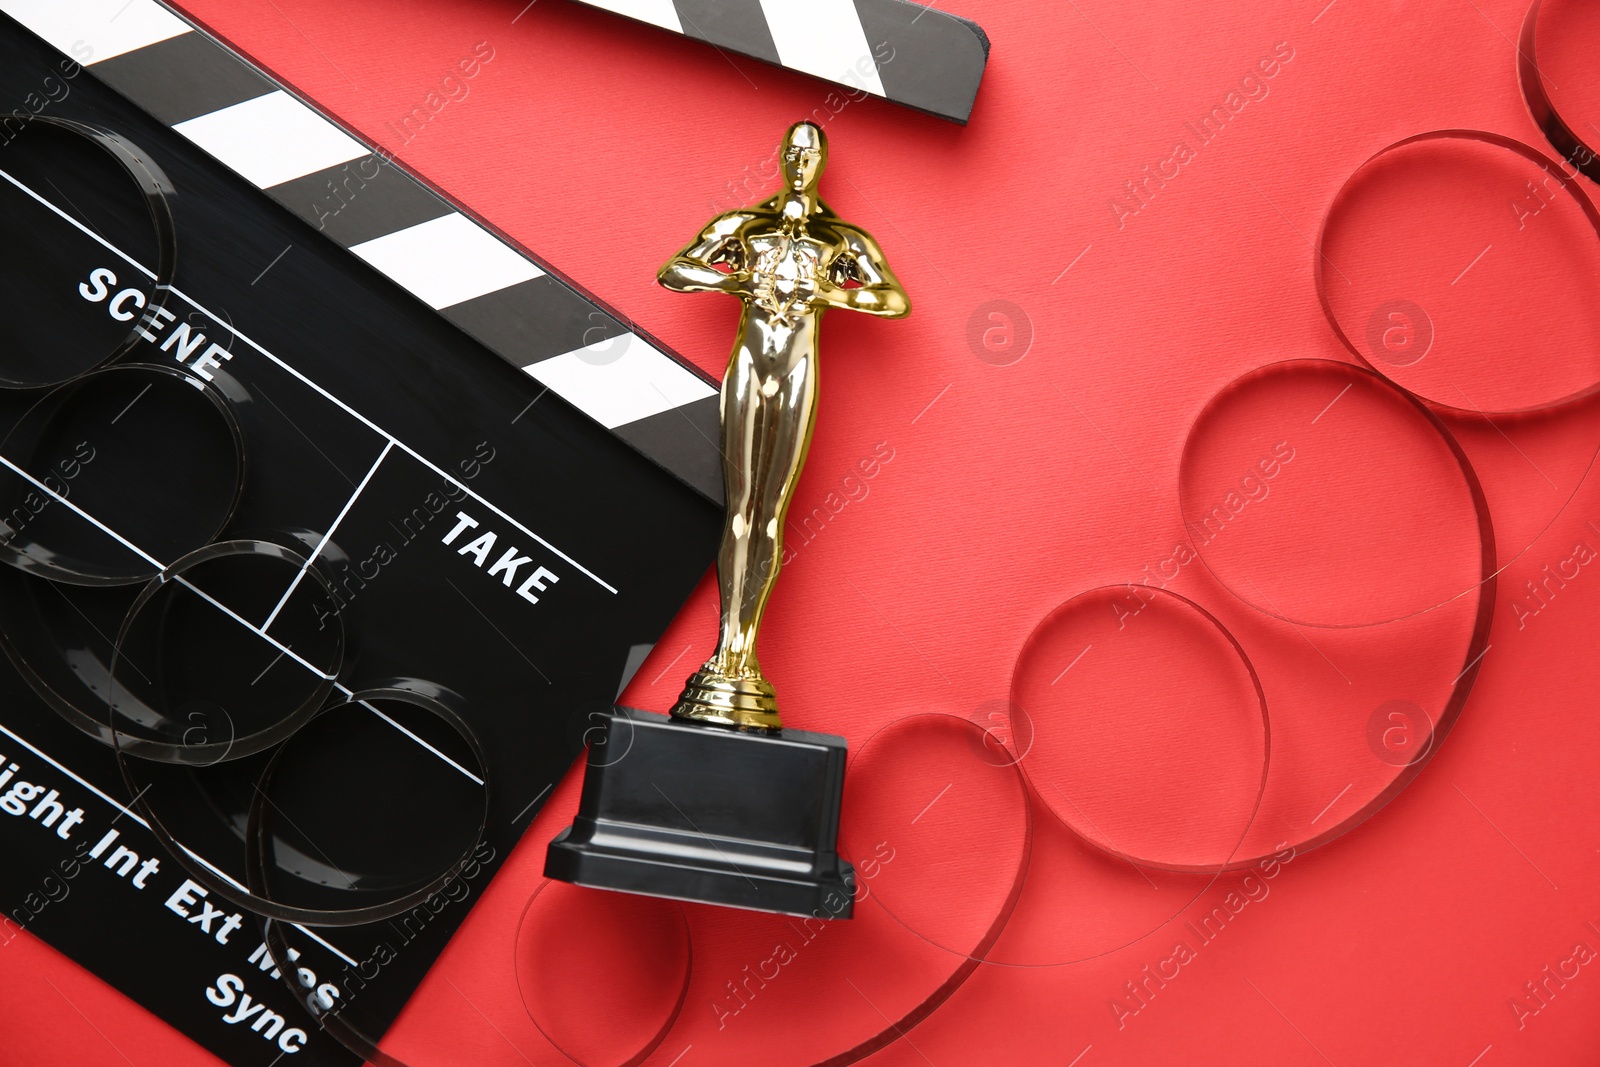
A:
(290, 535)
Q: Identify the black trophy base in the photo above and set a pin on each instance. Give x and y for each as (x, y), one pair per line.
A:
(693, 811)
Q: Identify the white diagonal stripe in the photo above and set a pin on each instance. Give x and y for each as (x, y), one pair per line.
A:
(272, 139)
(620, 380)
(656, 12)
(105, 27)
(447, 260)
(825, 38)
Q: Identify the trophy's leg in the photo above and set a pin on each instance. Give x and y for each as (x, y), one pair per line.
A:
(767, 415)
(767, 420)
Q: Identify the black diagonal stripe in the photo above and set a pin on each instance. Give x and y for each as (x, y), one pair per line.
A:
(183, 77)
(737, 25)
(684, 441)
(534, 320)
(927, 59)
(360, 200)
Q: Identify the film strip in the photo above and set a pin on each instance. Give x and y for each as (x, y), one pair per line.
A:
(1561, 134)
(909, 54)
(453, 262)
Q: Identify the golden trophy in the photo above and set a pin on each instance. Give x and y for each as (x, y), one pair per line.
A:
(719, 803)
(789, 258)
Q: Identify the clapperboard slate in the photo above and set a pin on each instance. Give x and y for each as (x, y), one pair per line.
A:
(504, 491)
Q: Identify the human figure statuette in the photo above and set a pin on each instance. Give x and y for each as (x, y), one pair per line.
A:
(789, 259)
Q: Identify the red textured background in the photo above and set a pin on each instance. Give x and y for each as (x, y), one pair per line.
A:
(1015, 486)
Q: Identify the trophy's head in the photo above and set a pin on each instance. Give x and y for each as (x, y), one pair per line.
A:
(804, 153)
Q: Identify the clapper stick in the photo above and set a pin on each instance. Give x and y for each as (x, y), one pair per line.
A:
(906, 53)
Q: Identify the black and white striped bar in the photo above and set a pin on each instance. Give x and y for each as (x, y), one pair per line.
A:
(909, 54)
(474, 277)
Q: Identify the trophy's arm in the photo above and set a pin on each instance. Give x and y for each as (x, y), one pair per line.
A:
(880, 292)
(885, 301)
(694, 269)
(685, 275)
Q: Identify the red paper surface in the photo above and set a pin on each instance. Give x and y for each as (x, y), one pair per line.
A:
(1023, 454)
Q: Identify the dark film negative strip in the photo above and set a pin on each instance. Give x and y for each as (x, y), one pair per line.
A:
(155, 188)
(906, 53)
(1573, 148)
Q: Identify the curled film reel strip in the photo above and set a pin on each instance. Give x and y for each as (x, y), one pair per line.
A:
(121, 468)
(105, 162)
(1567, 24)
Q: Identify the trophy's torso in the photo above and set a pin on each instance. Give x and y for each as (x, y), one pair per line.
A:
(785, 270)
(788, 263)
